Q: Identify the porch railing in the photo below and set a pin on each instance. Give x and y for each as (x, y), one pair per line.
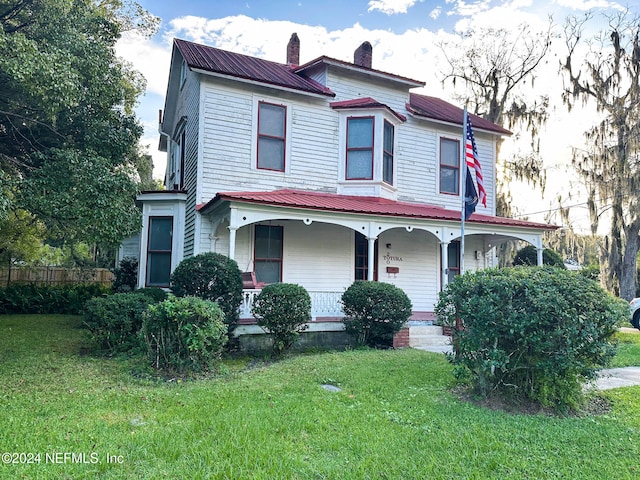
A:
(323, 304)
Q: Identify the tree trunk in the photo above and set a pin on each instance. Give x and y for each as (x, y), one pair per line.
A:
(628, 276)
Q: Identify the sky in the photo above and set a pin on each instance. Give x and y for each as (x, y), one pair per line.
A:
(404, 33)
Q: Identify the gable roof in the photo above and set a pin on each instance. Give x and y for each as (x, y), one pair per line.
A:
(221, 62)
(363, 205)
(437, 109)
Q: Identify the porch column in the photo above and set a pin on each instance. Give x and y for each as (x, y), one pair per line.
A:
(370, 259)
(444, 249)
(539, 250)
(232, 242)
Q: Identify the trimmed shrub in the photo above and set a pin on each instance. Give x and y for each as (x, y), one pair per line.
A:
(46, 299)
(184, 334)
(115, 321)
(283, 310)
(530, 333)
(529, 256)
(211, 276)
(126, 275)
(375, 312)
(156, 294)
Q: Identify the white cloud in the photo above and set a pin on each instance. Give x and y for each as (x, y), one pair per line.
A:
(435, 13)
(391, 7)
(589, 4)
(149, 58)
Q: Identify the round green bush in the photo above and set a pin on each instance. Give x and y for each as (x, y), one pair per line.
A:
(211, 276)
(115, 321)
(283, 310)
(375, 312)
(530, 333)
(529, 256)
(155, 293)
(184, 334)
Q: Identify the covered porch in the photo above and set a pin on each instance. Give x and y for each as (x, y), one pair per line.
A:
(326, 241)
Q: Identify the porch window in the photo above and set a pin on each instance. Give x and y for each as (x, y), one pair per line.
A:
(449, 166)
(453, 260)
(387, 154)
(159, 251)
(268, 253)
(271, 136)
(361, 269)
(359, 148)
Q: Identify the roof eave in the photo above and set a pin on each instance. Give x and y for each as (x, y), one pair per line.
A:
(250, 81)
(415, 114)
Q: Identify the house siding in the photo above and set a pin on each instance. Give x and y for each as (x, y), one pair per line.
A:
(192, 111)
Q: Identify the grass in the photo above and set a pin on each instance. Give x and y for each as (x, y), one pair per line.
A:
(394, 418)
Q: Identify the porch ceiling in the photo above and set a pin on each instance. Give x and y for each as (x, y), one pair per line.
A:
(329, 202)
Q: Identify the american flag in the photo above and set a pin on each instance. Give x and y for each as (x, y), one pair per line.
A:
(471, 154)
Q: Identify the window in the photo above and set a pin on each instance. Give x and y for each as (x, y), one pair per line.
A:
(387, 154)
(449, 166)
(362, 258)
(359, 148)
(159, 251)
(453, 259)
(271, 136)
(268, 253)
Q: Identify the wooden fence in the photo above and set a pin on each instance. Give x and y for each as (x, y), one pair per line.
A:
(54, 275)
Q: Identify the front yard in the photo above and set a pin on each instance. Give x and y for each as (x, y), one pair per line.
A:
(76, 416)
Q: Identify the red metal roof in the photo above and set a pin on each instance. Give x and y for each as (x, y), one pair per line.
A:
(214, 60)
(365, 102)
(437, 109)
(363, 205)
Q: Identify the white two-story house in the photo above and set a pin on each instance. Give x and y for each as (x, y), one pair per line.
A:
(318, 174)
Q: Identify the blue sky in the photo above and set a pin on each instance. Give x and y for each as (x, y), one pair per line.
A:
(404, 35)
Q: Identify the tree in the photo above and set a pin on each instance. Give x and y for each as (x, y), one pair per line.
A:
(608, 76)
(495, 65)
(68, 135)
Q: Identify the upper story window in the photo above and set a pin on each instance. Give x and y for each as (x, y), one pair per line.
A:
(271, 136)
(449, 166)
(183, 73)
(387, 153)
(359, 148)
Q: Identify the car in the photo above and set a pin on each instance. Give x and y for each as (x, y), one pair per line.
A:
(635, 312)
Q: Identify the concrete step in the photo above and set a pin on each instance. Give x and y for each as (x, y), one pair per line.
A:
(425, 330)
(428, 337)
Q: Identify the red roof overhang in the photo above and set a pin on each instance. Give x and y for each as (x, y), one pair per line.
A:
(365, 102)
(331, 202)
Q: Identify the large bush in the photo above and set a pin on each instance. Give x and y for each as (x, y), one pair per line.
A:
(375, 312)
(283, 310)
(529, 256)
(211, 276)
(184, 334)
(45, 299)
(530, 333)
(155, 293)
(115, 321)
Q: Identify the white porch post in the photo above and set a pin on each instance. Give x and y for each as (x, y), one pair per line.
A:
(232, 242)
(444, 248)
(370, 259)
(539, 250)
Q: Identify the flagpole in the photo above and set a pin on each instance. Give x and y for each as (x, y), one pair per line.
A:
(463, 178)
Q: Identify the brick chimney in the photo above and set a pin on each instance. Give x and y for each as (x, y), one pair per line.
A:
(293, 50)
(362, 55)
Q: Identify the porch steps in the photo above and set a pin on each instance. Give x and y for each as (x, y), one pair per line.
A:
(429, 337)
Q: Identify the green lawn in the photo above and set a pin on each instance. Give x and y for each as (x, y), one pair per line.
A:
(395, 418)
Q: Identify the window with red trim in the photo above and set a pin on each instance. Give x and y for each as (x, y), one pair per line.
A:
(271, 136)
(387, 153)
(359, 148)
(268, 253)
(159, 251)
(449, 166)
